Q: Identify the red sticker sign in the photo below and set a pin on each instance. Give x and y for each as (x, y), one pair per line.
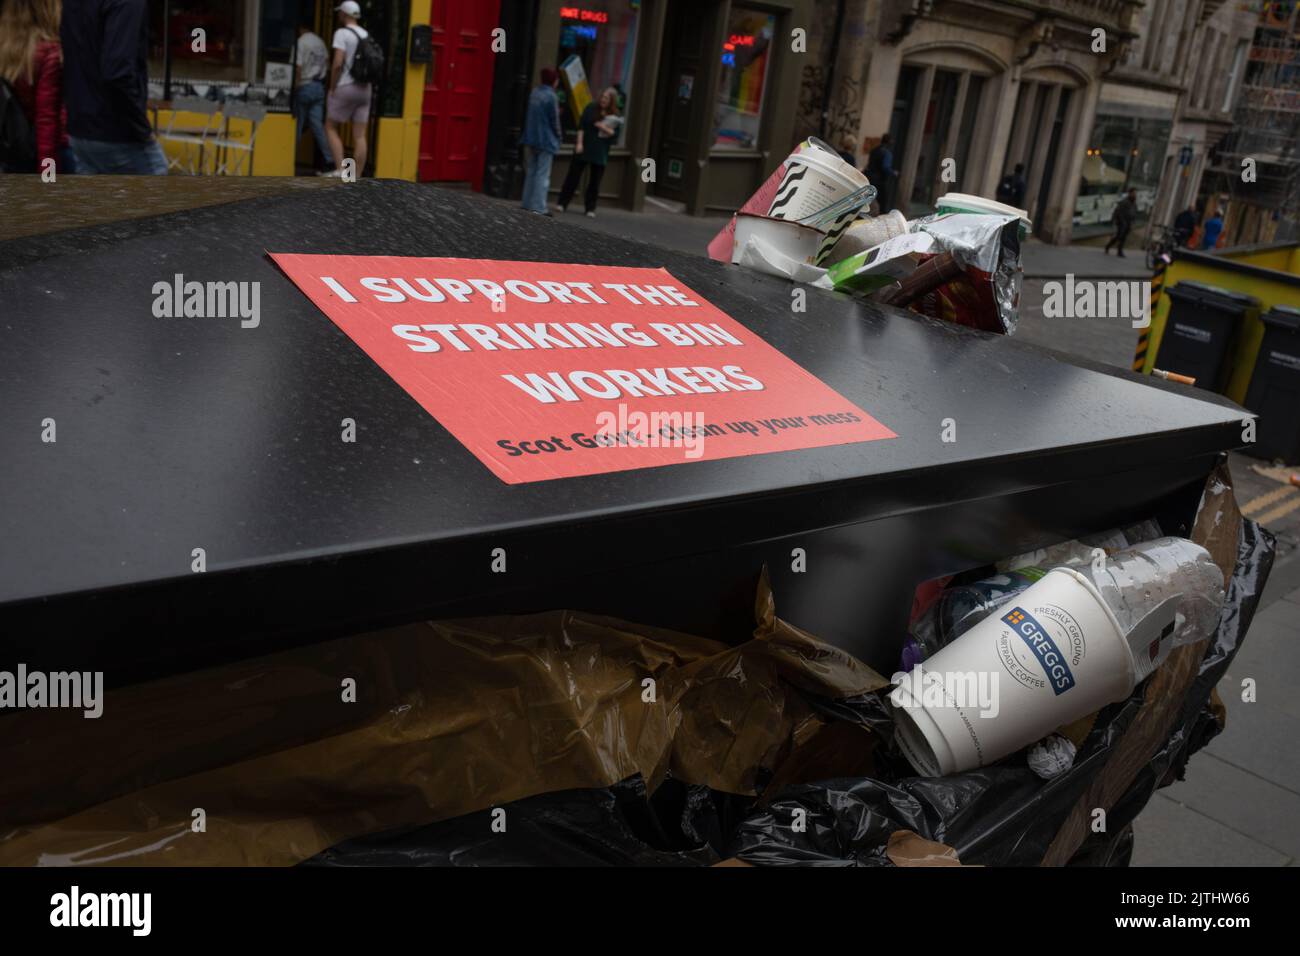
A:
(546, 370)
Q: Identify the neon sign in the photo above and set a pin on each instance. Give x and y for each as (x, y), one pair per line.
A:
(729, 48)
(586, 16)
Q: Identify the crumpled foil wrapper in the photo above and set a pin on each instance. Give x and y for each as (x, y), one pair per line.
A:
(988, 248)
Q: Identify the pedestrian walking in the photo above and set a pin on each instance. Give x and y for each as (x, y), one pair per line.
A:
(880, 170)
(106, 87)
(541, 140)
(31, 81)
(596, 131)
(309, 74)
(349, 95)
(1125, 213)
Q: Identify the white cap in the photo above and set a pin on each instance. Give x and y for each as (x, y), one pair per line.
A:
(350, 8)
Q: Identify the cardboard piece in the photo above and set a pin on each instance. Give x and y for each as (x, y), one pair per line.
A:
(906, 848)
(880, 265)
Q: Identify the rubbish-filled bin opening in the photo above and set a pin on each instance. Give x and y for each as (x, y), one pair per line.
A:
(556, 704)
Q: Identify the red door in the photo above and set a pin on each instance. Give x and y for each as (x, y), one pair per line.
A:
(457, 91)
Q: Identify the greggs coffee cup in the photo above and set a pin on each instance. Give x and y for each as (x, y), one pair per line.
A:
(1053, 654)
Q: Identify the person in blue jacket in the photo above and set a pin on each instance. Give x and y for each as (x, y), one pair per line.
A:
(541, 139)
(1213, 226)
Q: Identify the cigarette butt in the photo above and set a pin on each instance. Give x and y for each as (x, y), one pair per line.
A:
(1295, 480)
(1174, 377)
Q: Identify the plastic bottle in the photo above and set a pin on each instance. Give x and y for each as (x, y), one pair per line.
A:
(960, 608)
(1138, 581)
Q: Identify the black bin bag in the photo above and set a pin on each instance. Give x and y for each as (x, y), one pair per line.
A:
(622, 825)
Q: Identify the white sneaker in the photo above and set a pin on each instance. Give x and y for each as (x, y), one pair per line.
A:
(331, 174)
(591, 215)
(559, 208)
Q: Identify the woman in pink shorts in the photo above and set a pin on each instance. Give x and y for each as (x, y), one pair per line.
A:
(348, 101)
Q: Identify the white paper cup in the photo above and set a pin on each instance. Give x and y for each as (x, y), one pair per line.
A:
(792, 240)
(814, 179)
(1050, 656)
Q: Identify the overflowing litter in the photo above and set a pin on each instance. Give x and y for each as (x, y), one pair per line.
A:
(543, 720)
(809, 223)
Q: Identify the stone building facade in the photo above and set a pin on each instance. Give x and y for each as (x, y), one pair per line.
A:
(1164, 107)
(984, 83)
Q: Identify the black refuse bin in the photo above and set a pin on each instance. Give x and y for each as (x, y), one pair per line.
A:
(306, 537)
(1274, 393)
(1200, 331)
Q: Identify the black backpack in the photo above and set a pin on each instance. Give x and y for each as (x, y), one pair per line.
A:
(17, 141)
(368, 61)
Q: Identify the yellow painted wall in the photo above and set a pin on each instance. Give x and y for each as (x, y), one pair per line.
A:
(396, 150)
(1279, 259)
(398, 153)
(1267, 291)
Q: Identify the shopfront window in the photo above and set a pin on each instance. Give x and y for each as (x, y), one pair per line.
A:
(1125, 152)
(209, 39)
(597, 47)
(223, 49)
(746, 54)
(244, 49)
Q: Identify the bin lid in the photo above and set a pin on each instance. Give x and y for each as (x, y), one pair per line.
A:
(1282, 316)
(196, 433)
(1229, 300)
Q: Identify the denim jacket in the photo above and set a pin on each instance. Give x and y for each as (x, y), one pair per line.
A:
(542, 124)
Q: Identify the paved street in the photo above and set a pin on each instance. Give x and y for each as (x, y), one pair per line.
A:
(1043, 261)
(1240, 803)
(655, 225)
